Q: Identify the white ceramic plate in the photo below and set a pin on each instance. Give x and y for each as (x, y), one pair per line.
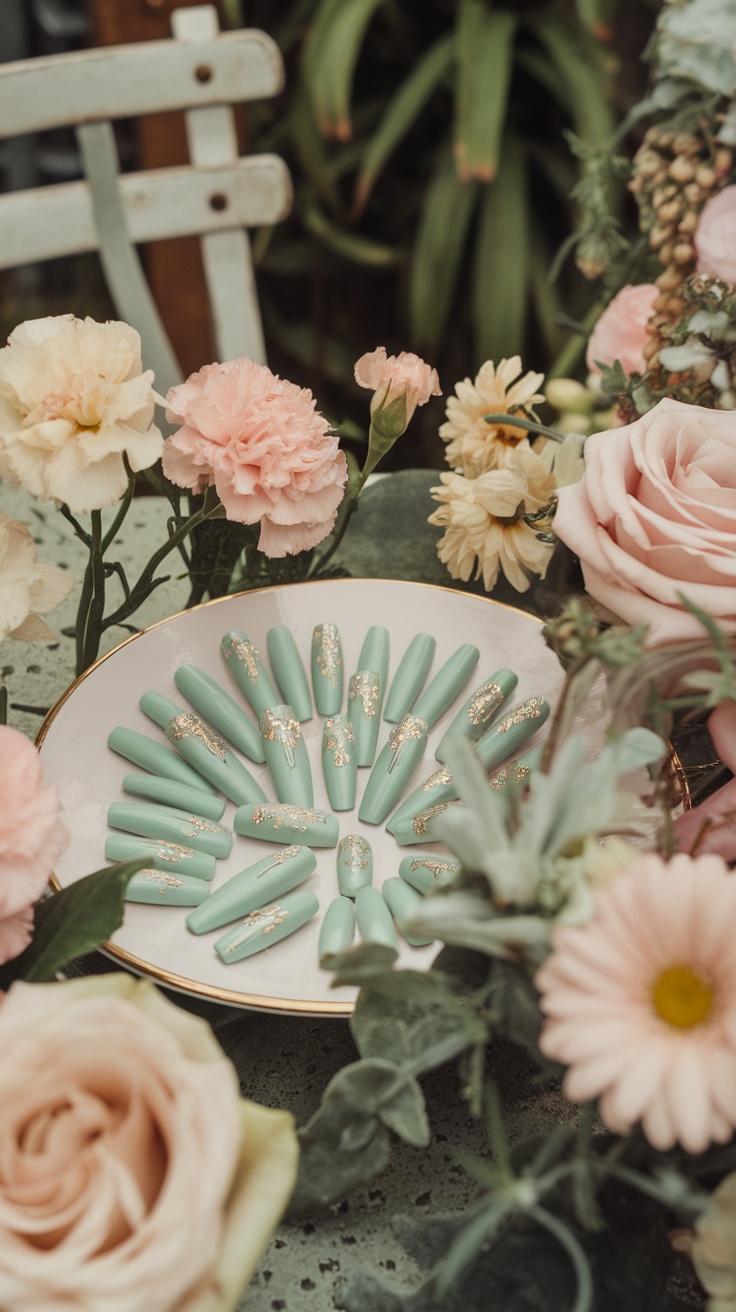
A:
(154, 941)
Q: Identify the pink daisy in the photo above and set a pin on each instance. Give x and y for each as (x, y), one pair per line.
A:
(641, 1002)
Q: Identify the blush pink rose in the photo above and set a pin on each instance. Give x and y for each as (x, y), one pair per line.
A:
(32, 838)
(715, 237)
(620, 333)
(654, 515)
(264, 446)
(712, 824)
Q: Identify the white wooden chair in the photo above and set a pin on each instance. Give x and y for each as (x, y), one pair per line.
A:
(217, 196)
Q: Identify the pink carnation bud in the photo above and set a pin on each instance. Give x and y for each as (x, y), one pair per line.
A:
(395, 376)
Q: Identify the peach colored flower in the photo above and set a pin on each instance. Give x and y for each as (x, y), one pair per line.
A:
(27, 589)
(133, 1176)
(32, 837)
(641, 1002)
(73, 402)
(268, 452)
(654, 515)
(619, 333)
(473, 446)
(391, 377)
(715, 236)
(712, 824)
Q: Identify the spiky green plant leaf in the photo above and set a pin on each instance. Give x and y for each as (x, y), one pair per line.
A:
(485, 50)
(502, 259)
(438, 250)
(330, 56)
(578, 61)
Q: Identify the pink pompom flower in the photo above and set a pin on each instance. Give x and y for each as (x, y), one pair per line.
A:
(620, 332)
(260, 441)
(641, 1002)
(715, 237)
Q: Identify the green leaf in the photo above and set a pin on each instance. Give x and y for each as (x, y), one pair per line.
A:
(545, 300)
(578, 61)
(401, 112)
(502, 259)
(330, 56)
(597, 16)
(485, 47)
(438, 250)
(361, 963)
(74, 921)
(406, 1114)
(404, 1028)
(351, 245)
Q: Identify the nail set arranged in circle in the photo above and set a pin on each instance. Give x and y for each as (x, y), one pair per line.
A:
(173, 817)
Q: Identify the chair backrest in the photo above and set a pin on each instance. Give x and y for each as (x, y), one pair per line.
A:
(217, 196)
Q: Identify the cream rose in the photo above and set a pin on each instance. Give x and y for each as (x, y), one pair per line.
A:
(654, 516)
(132, 1176)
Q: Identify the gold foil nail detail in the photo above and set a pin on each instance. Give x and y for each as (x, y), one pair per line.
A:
(364, 688)
(190, 726)
(336, 738)
(411, 728)
(268, 917)
(162, 878)
(173, 852)
(437, 867)
(443, 776)
(326, 641)
(528, 710)
(484, 702)
(244, 652)
(278, 814)
(420, 822)
(283, 729)
(279, 858)
(358, 851)
(515, 772)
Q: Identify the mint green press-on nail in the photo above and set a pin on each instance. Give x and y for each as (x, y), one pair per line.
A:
(394, 768)
(220, 710)
(365, 696)
(283, 822)
(403, 903)
(290, 674)
(354, 864)
(153, 821)
(153, 756)
(509, 734)
(286, 755)
(245, 664)
(374, 653)
(425, 870)
(327, 669)
(158, 708)
(415, 829)
(338, 928)
(209, 753)
(267, 926)
(409, 677)
(480, 709)
(437, 788)
(167, 792)
(447, 683)
(162, 888)
(375, 921)
(270, 877)
(518, 771)
(339, 763)
(160, 854)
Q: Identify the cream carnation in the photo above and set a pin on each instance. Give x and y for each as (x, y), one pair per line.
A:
(27, 589)
(73, 403)
(269, 453)
(473, 446)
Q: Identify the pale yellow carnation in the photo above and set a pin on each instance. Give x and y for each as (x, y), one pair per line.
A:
(473, 446)
(482, 518)
(28, 589)
(73, 402)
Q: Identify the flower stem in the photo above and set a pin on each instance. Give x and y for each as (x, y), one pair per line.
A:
(529, 425)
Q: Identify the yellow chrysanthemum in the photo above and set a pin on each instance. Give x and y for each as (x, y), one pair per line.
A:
(473, 446)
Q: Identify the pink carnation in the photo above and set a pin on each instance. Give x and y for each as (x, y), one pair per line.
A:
(264, 446)
(392, 376)
(620, 332)
(715, 237)
(32, 838)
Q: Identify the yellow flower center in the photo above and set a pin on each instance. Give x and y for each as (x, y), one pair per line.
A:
(682, 998)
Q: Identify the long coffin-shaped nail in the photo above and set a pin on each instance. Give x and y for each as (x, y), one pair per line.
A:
(167, 792)
(249, 672)
(409, 677)
(365, 695)
(286, 755)
(437, 788)
(425, 870)
(220, 710)
(160, 854)
(266, 926)
(375, 921)
(158, 708)
(354, 864)
(446, 684)
(275, 874)
(290, 673)
(394, 768)
(153, 821)
(327, 669)
(403, 903)
(156, 758)
(209, 753)
(516, 728)
(339, 763)
(162, 888)
(516, 772)
(409, 822)
(338, 928)
(414, 829)
(480, 710)
(283, 822)
(374, 653)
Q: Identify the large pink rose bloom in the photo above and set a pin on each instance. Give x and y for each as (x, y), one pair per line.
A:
(268, 452)
(32, 838)
(715, 237)
(620, 332)
(654, 515)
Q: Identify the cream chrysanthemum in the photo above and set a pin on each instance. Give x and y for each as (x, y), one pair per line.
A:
(641, 1002)
(473, 446)
(483, 520)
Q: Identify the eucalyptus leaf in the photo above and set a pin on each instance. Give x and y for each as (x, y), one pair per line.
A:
(406, 1114)
(360, 964)
(402, 1029)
